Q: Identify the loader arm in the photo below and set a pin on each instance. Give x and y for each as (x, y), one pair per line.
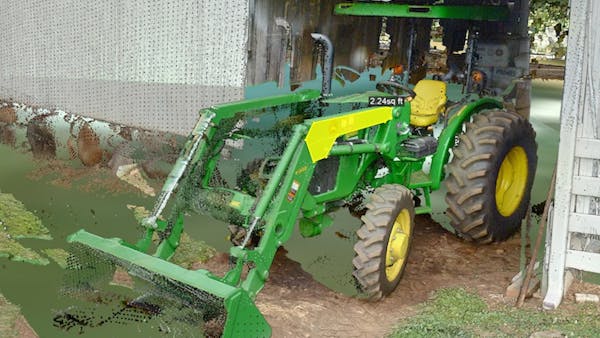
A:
(237, 304)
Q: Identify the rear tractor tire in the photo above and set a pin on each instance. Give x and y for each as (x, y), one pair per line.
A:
(490, 177)
(384, 240)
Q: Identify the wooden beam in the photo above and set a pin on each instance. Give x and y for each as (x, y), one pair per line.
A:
(586, 186)
(587, 148)
(585, 224)
(572, 108)
(581, 260)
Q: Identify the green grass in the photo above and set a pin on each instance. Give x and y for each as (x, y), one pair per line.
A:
(14, 251)
(59, 256)
(191, 251)
(458, 313)
(17, 222)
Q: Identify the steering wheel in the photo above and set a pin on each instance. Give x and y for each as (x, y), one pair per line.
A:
(338, 71)
(395, 88)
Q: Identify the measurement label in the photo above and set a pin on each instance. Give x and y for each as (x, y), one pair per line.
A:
(378, 101)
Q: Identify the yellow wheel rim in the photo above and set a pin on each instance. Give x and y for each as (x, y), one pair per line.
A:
(511, 181)
(397, 246)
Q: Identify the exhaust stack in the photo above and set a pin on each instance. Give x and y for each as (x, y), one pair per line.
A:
(327, 62)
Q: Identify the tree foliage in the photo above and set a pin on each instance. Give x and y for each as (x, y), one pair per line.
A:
(547, 18)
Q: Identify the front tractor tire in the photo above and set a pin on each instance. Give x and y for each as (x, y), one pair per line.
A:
(384, 240)
(490, 176)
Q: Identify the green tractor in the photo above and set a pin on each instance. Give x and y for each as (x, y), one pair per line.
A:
(264, 165)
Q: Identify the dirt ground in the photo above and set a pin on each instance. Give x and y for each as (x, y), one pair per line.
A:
(95, 179)
(12, 323)
(295, 305)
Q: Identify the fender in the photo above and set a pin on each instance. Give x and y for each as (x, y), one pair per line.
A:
(446, 139)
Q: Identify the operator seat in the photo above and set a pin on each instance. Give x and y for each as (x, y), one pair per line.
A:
(429, 102)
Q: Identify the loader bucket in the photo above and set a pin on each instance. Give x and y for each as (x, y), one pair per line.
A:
(214, 302)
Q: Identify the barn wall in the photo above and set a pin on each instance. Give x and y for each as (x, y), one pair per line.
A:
(354, 38)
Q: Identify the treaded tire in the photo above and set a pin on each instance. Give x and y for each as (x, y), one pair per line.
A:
(473, 173)
(388, 204)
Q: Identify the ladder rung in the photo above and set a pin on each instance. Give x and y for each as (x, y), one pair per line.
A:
(585, 224)
(586, 261)
(586, 186)
(587, 148)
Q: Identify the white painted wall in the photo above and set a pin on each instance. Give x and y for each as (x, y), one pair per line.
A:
(573, 234)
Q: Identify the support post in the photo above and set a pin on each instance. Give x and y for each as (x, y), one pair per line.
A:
(580, 103)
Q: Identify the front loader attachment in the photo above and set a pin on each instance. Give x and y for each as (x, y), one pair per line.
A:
(222, 308)
(250, 165)
(215, 175)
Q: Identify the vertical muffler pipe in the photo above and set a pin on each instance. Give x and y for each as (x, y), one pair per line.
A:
(286, 49)
(324, 41)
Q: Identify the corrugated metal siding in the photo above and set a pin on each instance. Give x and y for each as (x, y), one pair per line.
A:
(150, 64)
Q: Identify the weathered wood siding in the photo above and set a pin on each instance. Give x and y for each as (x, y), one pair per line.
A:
(354, 38)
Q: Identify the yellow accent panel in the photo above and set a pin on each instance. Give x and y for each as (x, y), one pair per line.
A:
(322, 133)
(430, 101)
